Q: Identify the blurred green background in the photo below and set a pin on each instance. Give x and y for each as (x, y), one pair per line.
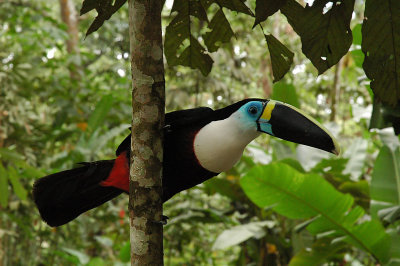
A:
(60, 107)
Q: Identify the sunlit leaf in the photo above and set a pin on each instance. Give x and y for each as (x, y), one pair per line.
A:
(324, 29)
(382, 57)
(300, 196)
(285, 93)
(356, 153)
(83, 258)
(125, 252)
(241, 233)
(357, 36)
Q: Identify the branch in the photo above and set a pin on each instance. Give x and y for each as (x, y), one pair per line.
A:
(148, 103)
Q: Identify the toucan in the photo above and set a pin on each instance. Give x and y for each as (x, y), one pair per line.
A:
(199, 144)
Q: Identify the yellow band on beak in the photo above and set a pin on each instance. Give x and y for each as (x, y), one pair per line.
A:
(266, 115)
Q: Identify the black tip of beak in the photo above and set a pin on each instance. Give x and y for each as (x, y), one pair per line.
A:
(291, 124)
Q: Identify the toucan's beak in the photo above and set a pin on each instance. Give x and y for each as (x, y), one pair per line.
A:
(289, 123)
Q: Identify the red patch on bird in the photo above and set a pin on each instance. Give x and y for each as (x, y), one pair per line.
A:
(119, 175)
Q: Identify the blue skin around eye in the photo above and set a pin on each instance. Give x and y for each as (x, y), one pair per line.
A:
(265, 126)
(251, 119)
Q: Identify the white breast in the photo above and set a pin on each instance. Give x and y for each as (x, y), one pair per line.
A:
(219, 145)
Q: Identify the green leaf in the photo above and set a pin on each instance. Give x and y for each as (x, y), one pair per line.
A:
(357, 37)
(83, 258)
(241, 233)
(385, 183)
(125, 252)
(281, 57)
(223, 187)
(178, 36)
(325, 36)
(285, 93)
(358, 57)
(381, 46)
(98, 116)
(319, 253)
(195, 56)
(19, 190)
(300, 196)
(395, 247)
(97, 261)
(221, 32)
(266, 8)
(356, 153)
(3, 186)
(10, 155)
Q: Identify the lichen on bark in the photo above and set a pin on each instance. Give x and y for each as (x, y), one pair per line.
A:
(148, 101)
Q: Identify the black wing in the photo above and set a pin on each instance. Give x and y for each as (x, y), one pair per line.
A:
(176, 120)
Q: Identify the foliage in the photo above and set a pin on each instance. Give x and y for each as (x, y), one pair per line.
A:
(49, 122)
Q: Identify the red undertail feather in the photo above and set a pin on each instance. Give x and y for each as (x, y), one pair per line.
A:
(119, 175)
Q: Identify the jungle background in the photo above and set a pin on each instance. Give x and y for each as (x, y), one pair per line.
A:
(65, 99)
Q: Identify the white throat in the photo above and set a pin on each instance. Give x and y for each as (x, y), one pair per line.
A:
(219, 145)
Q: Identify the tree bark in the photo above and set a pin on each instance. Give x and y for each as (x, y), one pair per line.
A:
(70, 18)
(148, 103)
(335, 90)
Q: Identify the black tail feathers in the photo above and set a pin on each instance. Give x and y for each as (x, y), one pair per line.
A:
(63, 196)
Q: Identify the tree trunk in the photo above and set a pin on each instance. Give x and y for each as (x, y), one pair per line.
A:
(148, 103)
(335, 90)
(70, 18)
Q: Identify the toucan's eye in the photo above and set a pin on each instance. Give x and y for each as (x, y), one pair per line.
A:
(253, 110)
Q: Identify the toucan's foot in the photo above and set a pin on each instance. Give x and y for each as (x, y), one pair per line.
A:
(164, 220)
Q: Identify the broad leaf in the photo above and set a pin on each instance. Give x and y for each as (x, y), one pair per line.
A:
(385, 183)
(125, 252)
(381, 46)
(178, 36)
(285, 93)
(395, 247)
(19, 190)
(266, 8)
(105, 9)
(324, 29)
(3, 186)
(82, 257)
(300, 196)
(98, 116)
(221, 32)
(281, 57)
(235, 5)
(319, 253)
(356, 153)
(241, 233)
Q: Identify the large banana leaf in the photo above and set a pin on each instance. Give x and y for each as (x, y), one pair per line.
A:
(385, 194)
(301, 196)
